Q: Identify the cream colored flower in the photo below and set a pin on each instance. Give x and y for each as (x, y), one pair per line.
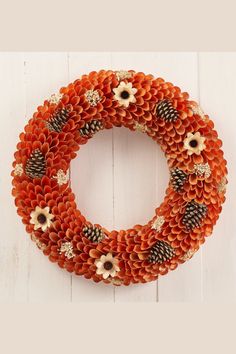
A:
(222, 185)
(122, 75)
(194, 143)
(140, 127)
(188, 255)
(116, 281)
(39, 244)
(93, 97)
(124, 94)
(196, 109)
(67, 248)
(18, 170)
(107, 266)
(202, 169)
(158, 222)
(62, 177)
(55, 98)
(41, 218)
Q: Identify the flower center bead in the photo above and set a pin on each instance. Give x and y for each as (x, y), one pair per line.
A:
(108, 265)
(193, 143)
(41, 218)
(124, 95)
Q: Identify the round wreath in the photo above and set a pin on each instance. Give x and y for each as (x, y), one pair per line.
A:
(69, 119)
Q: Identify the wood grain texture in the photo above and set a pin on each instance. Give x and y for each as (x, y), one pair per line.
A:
(217, 95)
(119, 177)
(14, 243)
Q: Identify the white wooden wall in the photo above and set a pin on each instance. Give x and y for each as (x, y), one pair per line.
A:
(119, 177)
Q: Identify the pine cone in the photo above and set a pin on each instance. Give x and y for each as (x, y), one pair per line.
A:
(178, 178)
(161, 252)
(93, 233)
(91, 128)
(58, 120)
(36, 165)
(194, 214)
(166, 111)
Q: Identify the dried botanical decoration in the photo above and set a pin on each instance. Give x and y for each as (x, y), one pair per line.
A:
(93, 97)
(188, 255)
(91, 128)
(166, 111)
(55, 98)
(158, 222)
(41, 218)
(194, 143)
(61, 177)
(58, 120)
(196, 109)
(161, 252)
(122, 75)
(125, 94)
(202, 170)
(63, 124)
(140, 127)
(67, 249)
(178, 178)
(39, 244)
(194, 215)
(116, 281)
(36, 165)
(222, 185)
(93, 233)
(18, 170)
(107, 266)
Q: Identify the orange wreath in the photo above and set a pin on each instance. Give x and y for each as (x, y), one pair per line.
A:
(69, 119)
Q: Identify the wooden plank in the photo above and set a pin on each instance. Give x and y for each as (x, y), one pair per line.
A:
(135, 177)
(45, 73)
(92, 178)
(134, 198)
(14, 243)
(181, 69)
(217, 94)
(184, 284)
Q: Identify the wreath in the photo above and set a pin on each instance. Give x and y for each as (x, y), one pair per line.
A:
(193, 200)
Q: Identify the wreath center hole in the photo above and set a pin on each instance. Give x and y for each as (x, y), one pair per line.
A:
(119, 178)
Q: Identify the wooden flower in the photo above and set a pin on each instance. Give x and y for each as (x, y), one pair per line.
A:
(107, 266)
(194, 143)
(125, 94)
(41, 218)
